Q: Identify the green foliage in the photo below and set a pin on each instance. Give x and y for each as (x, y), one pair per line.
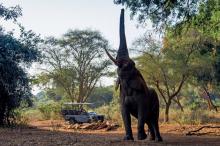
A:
(207, 20)
(15, 55)
(194, 102)
(20, 118)
(162, 12)
(32, 114)
(50, 110)
(10, 13)
(47, 95)
(180, 59)
(101, 96)
(74, 64)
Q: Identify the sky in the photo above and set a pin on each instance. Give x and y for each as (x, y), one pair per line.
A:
(55, 17)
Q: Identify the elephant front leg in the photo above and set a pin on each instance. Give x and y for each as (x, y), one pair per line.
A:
(141, 121)
(127, 123)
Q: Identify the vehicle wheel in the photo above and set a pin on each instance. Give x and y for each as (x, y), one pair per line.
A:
(89, 121)
(101, 118)
(72, 121)
(95, 119)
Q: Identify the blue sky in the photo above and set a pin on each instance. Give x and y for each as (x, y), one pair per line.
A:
(55, 17)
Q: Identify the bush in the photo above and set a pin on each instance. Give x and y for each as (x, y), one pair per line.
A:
(50, 110)
(33, 114)
(19, 117)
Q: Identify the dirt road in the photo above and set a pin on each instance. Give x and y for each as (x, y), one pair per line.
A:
(53, 134)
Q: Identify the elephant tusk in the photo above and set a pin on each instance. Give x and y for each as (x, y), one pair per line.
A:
(114, 60)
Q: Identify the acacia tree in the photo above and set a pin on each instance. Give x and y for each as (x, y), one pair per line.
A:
(167, 66)
(14, 55)
(75, 62)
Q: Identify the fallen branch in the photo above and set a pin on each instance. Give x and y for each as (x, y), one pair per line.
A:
(194, 131)
(107, 125)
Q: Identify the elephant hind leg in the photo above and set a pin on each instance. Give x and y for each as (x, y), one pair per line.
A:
(156, 130)
(151, 129)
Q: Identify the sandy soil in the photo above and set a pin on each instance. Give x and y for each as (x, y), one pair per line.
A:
(54, 133)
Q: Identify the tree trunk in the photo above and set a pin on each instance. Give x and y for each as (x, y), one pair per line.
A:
(167, 108)
(210, 103)
(166, 114)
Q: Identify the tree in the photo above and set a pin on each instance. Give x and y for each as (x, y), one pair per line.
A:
(162, 12)
(169, 65)
(177, 13)
(207, 75)
(75, 62)
(180, 57)
(207, 23)
(15, 55)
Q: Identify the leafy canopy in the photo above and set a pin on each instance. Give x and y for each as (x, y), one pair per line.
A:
(15, 54)
(75, 63)
(200, 13)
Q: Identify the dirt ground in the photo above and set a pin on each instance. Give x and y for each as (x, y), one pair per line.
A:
(54, 133)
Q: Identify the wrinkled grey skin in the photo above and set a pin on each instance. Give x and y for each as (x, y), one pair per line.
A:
(137, 100)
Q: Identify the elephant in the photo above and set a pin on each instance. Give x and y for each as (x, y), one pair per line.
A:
(136, 98)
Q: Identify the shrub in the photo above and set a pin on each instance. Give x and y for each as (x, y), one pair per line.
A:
(33, 114)
(19, 117)
(193, 117)
(50, 110)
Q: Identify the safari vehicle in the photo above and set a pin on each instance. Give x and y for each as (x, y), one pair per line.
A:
(75, 113)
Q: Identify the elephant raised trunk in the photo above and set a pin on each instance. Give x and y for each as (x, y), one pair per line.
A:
(122, 54)
(123, 50)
